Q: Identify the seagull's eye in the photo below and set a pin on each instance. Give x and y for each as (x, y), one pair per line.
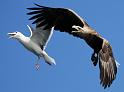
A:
(16, 32)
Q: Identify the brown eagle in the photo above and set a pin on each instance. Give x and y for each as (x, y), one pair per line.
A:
(66, 20)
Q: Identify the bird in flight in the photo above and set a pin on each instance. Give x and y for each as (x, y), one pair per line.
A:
(66, 20)
(36, 43)
(107, 63)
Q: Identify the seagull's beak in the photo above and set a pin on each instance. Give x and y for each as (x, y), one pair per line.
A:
(12, 34)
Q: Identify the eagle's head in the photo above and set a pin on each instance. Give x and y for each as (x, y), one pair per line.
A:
(77, 28)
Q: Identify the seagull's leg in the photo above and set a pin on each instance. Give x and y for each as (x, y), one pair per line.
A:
(37, 65)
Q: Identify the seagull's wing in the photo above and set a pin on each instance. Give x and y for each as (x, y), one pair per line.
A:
(107, 65)
(30, 29)
(41, 36)
(62, 19)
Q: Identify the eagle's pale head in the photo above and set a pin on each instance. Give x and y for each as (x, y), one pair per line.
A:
(77, 28)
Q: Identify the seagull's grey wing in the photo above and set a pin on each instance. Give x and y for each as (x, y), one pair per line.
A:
(30, 29)
(107, 65)
(41, 36)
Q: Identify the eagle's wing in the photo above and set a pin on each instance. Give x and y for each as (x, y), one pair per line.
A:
(107, 65)
(62, 19)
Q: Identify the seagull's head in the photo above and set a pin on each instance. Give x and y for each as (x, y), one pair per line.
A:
(15, 35)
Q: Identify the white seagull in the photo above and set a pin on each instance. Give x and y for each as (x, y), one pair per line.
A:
(36, 42)
(66, 20)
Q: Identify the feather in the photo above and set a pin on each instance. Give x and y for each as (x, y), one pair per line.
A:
(107, 65)
(61, 18)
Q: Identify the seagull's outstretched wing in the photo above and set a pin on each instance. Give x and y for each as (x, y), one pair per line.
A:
(62, 19)
(107, 65)
(31, 29)
(41, 36)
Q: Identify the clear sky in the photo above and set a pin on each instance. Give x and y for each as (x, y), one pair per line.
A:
(74, 71)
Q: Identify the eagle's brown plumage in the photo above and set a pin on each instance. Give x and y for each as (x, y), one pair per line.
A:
(63, 20)
(107, 63)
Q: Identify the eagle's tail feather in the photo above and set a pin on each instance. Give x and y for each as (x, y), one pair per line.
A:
(117, 64)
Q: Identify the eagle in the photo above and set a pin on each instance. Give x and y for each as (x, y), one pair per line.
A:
(66, 20)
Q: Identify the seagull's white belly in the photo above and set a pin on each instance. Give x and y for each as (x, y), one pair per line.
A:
(33, 47)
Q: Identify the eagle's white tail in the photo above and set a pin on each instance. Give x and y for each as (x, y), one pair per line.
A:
(117, 64)
(48, 59)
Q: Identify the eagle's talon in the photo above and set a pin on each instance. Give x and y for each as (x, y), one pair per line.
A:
(94, 59)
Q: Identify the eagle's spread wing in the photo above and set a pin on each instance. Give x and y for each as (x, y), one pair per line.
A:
(107, 65)
(62, 19)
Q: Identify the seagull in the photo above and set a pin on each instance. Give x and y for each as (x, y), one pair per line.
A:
(36, 43)
(66, 20)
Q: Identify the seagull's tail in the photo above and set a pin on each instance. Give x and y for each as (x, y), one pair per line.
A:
(49, 60)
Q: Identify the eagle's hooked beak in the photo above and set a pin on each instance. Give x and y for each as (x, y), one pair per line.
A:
(76, 28)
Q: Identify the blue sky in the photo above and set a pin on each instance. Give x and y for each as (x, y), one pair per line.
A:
(74, 71)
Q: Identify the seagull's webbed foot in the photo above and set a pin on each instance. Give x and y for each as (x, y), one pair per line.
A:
(37, 66)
